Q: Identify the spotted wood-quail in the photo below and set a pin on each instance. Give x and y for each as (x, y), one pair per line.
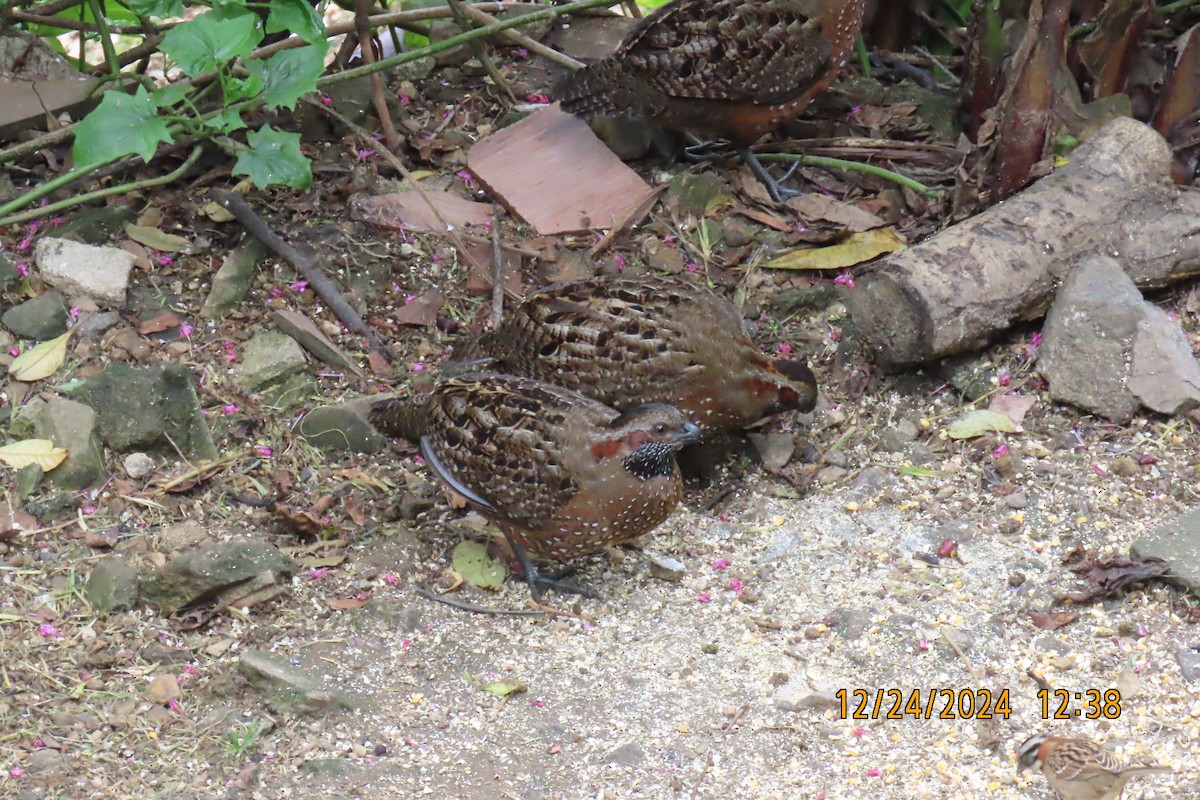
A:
(625, 341)
(734, 69)
(561, 474)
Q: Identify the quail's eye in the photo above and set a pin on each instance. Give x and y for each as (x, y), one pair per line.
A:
(660, 428)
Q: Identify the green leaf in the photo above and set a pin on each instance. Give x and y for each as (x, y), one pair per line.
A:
(274, 159)
(297, 16)
(470, 560)
(236, 89)
(121, 125)
(289, 74)
(208, 41)
(978, 422)
(155, 8)
(505, 687)
(228, 121)
(167, 96)
(918, 472)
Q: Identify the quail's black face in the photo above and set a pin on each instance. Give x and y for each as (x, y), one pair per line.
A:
(661, 431)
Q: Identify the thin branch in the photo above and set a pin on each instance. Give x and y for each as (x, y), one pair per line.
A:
(481, 53)
(258, 228)
(87, 197)
(520, 39)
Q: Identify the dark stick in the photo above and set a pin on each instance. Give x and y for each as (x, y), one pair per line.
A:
(465, 606)
(324, 287)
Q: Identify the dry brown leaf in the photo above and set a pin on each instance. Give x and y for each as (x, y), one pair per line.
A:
(819, 207)
(347, 603)
(422, 309)
(163, 322)
(1013, 406)
(1052, 620)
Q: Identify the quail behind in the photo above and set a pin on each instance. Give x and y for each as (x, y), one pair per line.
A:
(734, 69)
(625, 341)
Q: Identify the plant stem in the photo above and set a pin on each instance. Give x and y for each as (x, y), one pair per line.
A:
(851, 166)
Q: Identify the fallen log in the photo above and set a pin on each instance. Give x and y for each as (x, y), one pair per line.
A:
(960, 287)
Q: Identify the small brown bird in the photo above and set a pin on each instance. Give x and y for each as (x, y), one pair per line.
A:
(562, 475)
(625, 341)
(1078, 769)
(733, 69)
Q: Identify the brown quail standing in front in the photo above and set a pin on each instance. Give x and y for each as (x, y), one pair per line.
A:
(734, 69)
(560, 474)
(625, 341)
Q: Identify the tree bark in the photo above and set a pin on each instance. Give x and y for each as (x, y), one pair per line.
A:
(960, 287)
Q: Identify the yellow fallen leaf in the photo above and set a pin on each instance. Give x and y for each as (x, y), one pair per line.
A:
(42, 452)
(855, 249)
(40, 361)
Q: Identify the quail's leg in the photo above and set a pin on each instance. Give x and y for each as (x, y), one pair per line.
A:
(539, 582)
(778, 192)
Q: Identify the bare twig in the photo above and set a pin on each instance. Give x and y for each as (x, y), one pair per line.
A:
(378, 96)
(480, 52)
(497, 274)
(320, 284)
(518, 38)
(474, 609)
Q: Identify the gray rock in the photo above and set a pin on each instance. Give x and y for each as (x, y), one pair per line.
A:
(795, 695)
(93, 324)
(1178, 543)
(287, 687)
(182, 535)
(233, 279)
(665, 568)
(441, 30)
(1108, 351)
(1088, 338)
(46, 761)
(138, 465)
(1053, 645)
(9, 277)
(692, 193)
(1189, 665)
(111, 585)
(207, 570)
(29, 477)
(152, 409)
(71, 426)
(343, 427)
(41, 318)
(626, 755)
(274, 366)
(1164, 375)
(101, 273)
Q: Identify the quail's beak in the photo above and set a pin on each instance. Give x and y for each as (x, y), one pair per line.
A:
(691, 434)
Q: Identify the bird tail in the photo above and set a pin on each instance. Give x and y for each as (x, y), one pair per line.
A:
(405, 417)
(595, 89)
